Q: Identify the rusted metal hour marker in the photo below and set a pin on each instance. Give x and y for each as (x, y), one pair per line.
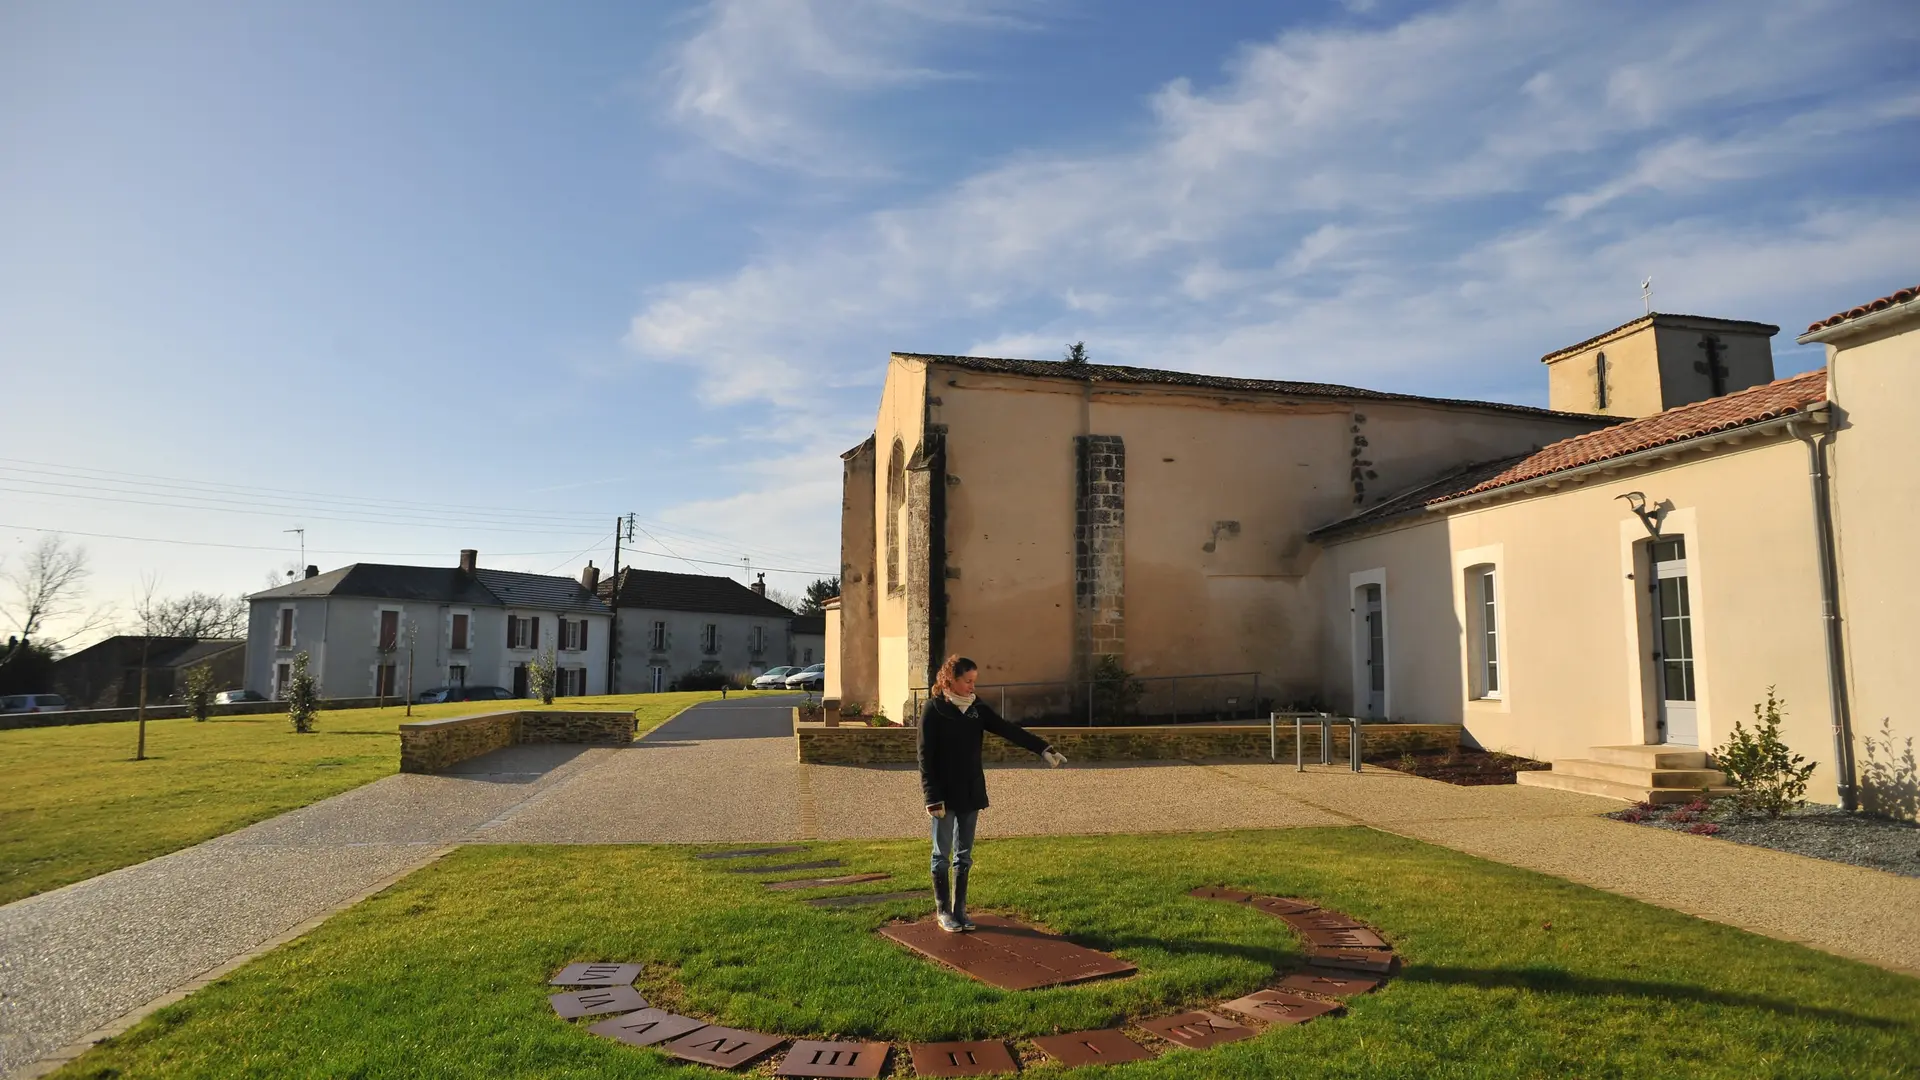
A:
(1107, 1046)
(1346, 939)
(962, 1059)
(647, 1027)
(1282, 905)
(1007, 954)
(1379, 961)
(1340, 986)
(1197, 1030)
(605, 999)
(858, 1059)
(823, 882)
(722, 1046)
(1215, 892)
(596, 975)
(1323, 920)
(1276, 1007)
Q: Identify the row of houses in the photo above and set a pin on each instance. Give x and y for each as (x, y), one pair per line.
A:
(1634, 566)
(376, 629)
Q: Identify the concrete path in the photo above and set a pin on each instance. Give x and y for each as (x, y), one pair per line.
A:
(74, 959)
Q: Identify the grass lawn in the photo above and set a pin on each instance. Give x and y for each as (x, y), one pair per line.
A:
(443, 975)
(74, 803)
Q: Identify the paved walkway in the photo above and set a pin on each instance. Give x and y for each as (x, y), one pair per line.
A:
(74, 959)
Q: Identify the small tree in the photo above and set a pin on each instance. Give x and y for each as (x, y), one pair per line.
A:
(540, 676)
(1076, 353)
(1770, 776)
(818, 593)
(198, 691)
(1116, 693)
(303, 696)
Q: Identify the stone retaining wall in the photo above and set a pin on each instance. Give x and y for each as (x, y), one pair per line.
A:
(434, 745)
(860, 745)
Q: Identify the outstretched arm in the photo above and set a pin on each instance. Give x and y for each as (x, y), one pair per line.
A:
(1012, 732)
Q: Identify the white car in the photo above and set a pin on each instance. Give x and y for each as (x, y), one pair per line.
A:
(23, 703)
(808, 678)
(773, 678)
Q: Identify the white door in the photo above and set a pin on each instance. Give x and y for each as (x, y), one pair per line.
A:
(1375, 697)
(1673, 638)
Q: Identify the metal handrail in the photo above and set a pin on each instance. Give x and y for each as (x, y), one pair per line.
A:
(1326, 720)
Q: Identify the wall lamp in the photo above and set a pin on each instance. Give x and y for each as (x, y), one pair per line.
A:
(1637, 502)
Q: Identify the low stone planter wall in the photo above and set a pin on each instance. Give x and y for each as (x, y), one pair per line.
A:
(428, 746)
(11, 721)
(860, 745)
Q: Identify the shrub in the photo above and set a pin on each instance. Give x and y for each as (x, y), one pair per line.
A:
(1116, 693)
(697, 679)
(1634, 815)
(1770, 776)
(540, 677)
(303, 697)
(1682, 816)
(1703, 828)
(198, 692)
(1408, 762)
(850, 709)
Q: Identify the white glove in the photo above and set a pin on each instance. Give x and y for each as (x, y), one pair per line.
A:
(938, 809)
(1054, 757)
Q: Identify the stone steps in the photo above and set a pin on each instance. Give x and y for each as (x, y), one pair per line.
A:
(1657, 774)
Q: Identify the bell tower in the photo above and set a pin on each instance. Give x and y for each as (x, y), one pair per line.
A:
(1657, 362)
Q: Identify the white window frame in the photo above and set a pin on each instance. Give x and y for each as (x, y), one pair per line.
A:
(453, 644)
(1485, 676)
(710, 639)
(289, 619)
(282, 675)
(657, 639)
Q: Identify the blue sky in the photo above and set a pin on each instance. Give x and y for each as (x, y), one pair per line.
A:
(422, 276)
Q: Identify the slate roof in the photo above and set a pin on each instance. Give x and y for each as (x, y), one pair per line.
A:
(1661, 317)
(1112, 373)
(162, 652)
(1751, 406)
(443, 585)
(1898, 296)
(808, 624)
(711, 594)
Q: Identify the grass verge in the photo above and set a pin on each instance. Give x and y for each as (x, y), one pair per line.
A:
(74, 803)
(1509, 973)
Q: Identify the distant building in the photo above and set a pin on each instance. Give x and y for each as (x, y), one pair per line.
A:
(671, 625)
(106, 675)
(809, 640)
(471, 626)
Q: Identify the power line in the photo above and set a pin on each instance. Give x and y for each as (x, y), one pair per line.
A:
(581, 552)
(724, 562)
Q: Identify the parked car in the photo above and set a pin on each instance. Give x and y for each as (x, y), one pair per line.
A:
(774, 678)
(809, 678)
(235, 697)
(20, 703)
(464, 693)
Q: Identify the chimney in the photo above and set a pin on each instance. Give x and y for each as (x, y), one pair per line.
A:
(312, 570)
(590, 578)
(469, 560)
(760, 586)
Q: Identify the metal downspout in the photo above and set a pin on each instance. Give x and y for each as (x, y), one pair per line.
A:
(1830, 611)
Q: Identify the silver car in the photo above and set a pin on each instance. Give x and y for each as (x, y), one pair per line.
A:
(21, 703)
(773, 678)
(809, 678)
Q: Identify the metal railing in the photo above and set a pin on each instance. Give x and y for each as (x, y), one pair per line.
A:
(1138, 701)
(1326, 722)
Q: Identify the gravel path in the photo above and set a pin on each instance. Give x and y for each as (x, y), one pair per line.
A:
(76, 958)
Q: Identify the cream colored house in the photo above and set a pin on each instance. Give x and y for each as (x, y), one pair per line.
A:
(1608, 584)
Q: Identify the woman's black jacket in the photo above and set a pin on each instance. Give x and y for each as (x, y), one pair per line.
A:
(950, 769)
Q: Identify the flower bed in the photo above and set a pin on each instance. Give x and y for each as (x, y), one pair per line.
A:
(1819, 832)
(1459, 765)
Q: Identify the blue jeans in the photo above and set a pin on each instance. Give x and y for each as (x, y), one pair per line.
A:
(953, 841)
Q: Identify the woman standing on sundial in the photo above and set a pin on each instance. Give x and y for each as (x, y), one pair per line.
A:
(955, 785)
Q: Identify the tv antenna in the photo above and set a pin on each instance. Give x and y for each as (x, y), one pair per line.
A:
(303, 544)
(1646, 293)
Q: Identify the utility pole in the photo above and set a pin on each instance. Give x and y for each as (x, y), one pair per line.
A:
(621, 526)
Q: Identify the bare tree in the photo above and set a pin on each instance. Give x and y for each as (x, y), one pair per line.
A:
(285, 574)
(784, 598)
(49, 590)
(196, 615)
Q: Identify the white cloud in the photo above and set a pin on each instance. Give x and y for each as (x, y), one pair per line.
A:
(1404, 205)
(761, 79)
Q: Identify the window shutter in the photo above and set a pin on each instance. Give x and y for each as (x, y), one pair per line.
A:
(583, 635)
(533, 632)
(510, 621)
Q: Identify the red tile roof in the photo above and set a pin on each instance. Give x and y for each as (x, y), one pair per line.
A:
(1751, 406)
(1899, 296)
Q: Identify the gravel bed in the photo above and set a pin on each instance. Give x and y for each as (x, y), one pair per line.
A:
(1820, 832)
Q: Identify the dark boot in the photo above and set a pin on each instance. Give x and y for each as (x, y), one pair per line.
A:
(942, 907)
(960, 900)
